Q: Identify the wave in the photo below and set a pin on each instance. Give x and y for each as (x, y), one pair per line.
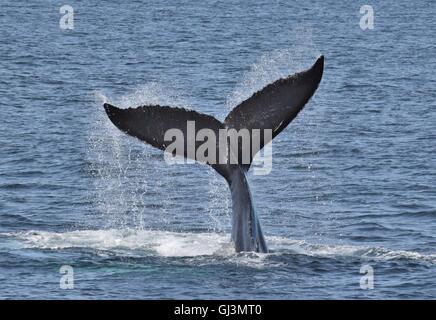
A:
(177, 244)
(364, 252)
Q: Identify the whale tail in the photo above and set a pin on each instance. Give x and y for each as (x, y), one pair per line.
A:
(271, 108)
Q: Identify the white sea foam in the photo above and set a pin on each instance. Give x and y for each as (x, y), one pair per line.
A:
(177, 244)
(167, 244)
(333, 250)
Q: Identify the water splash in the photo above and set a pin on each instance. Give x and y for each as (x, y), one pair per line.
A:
(219, 204)
(133, 186)
(152, 93)
(276, 64)
(120, 165)
(177, 244)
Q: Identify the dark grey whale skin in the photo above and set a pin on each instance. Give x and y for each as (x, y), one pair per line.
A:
(246, 231)
(273, 107)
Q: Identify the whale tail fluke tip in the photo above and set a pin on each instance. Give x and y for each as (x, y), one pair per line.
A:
(319, 64)
(108, 108)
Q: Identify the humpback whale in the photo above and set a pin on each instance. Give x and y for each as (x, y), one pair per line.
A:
(273, 108)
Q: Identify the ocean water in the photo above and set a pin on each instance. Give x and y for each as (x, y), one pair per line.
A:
(352, 190)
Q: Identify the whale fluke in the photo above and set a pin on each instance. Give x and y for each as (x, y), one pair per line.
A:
(273, 107)
(149, 124)
(276, 105)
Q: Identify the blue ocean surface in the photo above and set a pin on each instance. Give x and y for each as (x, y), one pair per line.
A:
(348, 211)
